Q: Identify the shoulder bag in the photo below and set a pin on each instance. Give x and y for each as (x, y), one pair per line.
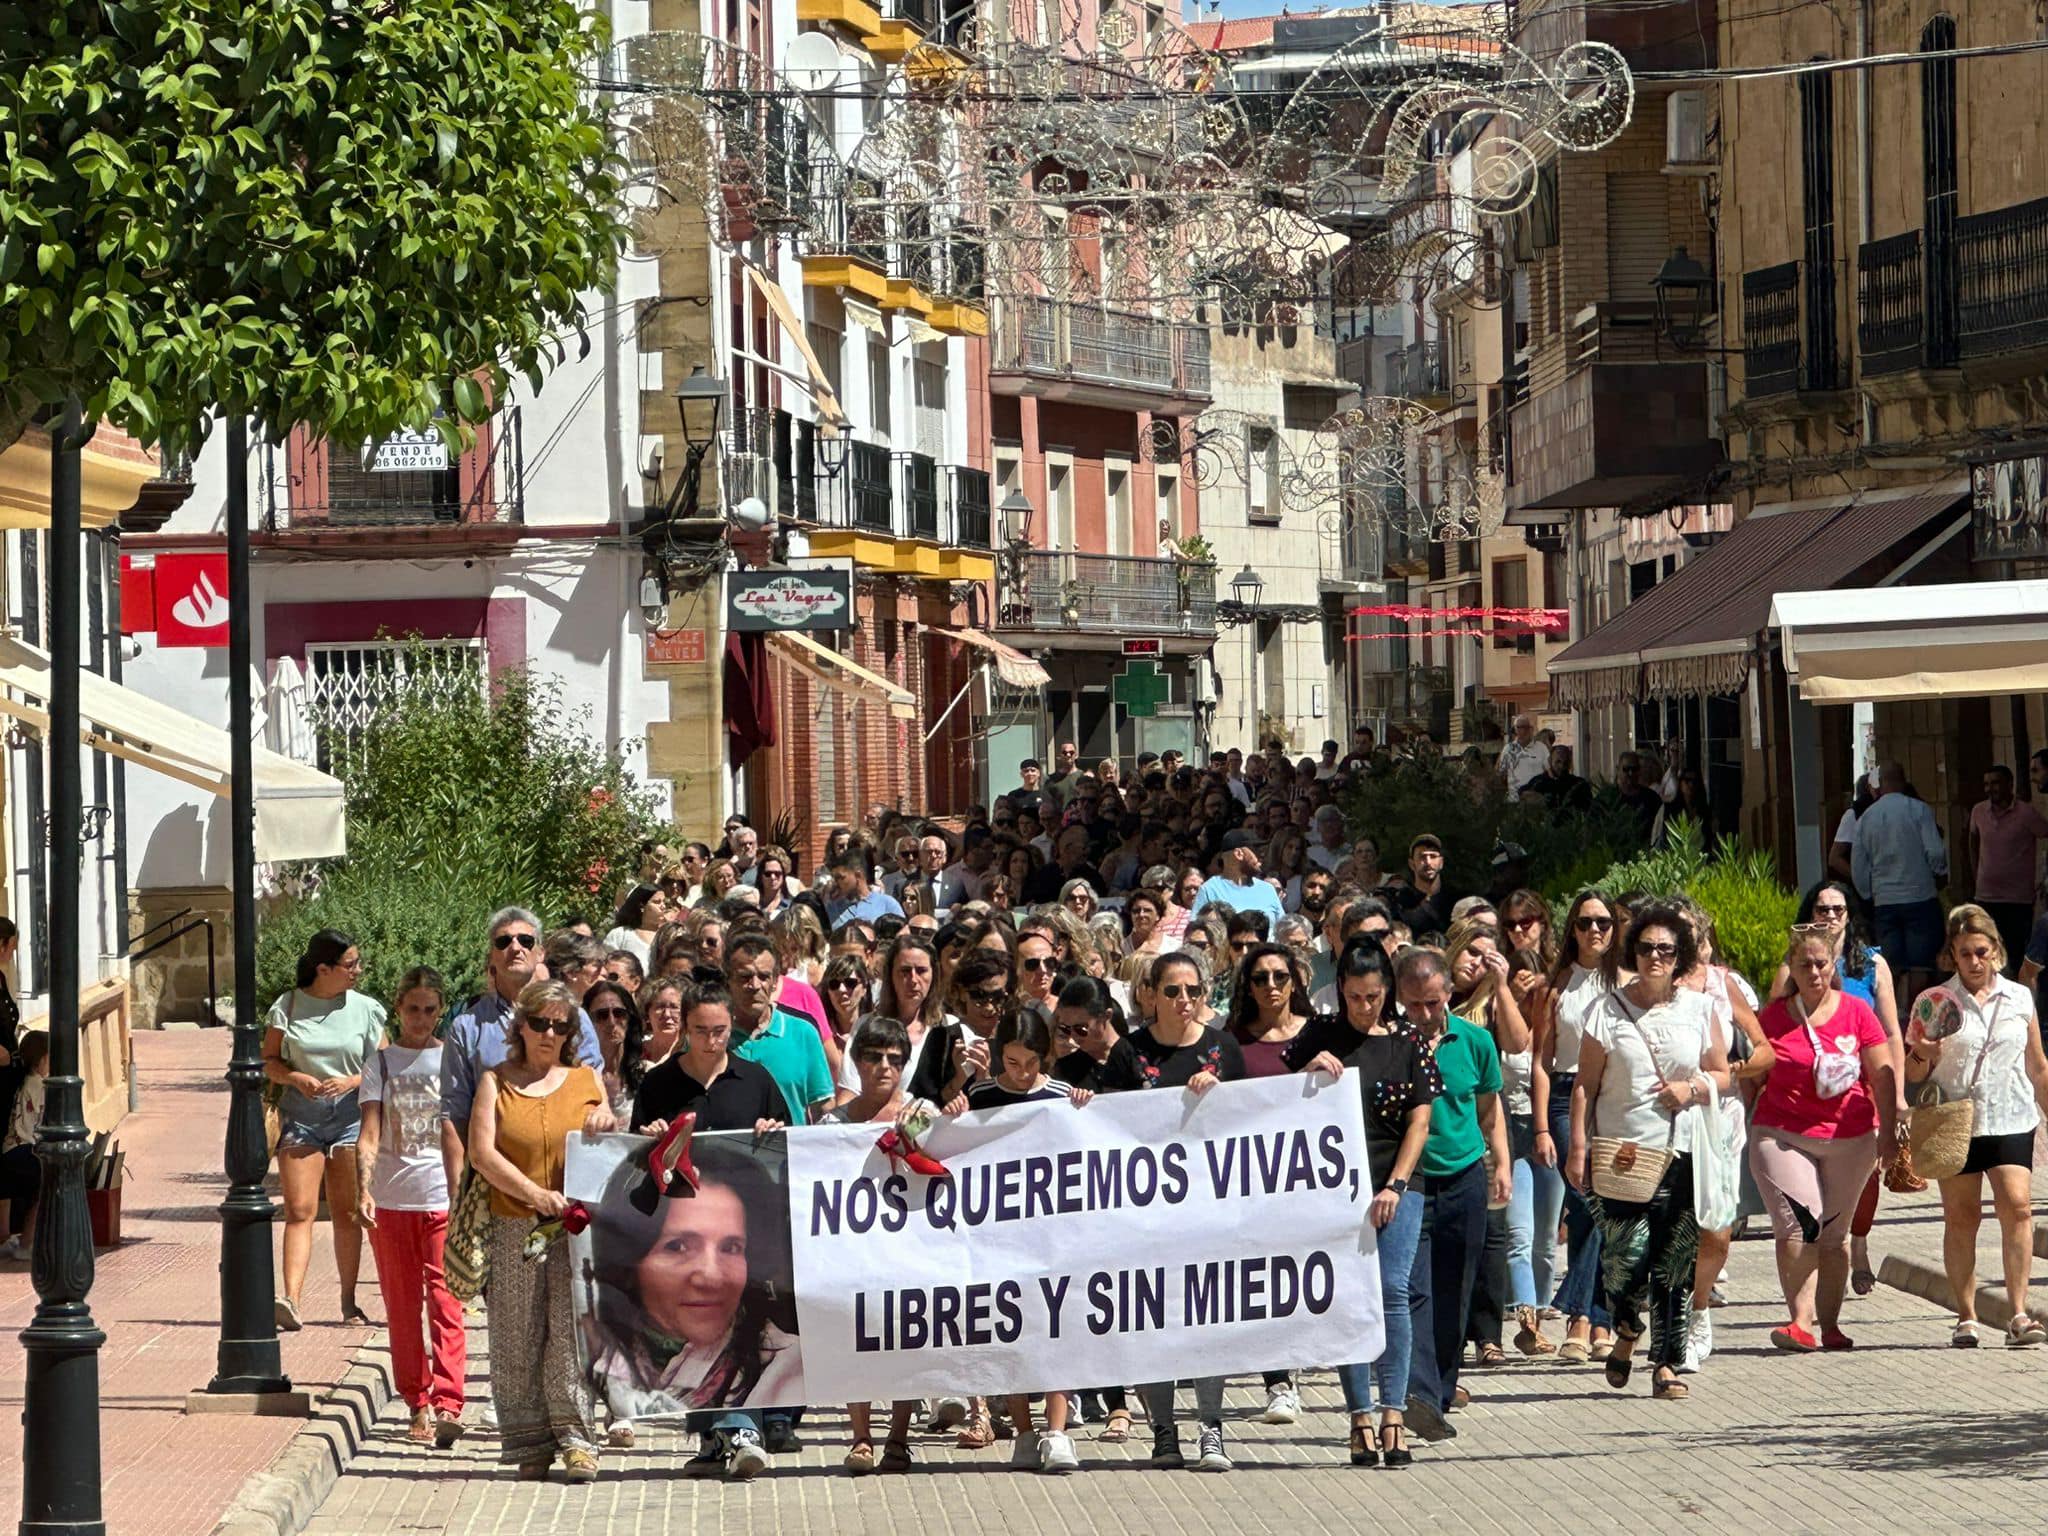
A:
(1937, 1133)
(466, 1252)
(273, 1093)
(1625, 1170)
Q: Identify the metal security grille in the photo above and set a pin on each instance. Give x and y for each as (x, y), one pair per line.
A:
(347, 684)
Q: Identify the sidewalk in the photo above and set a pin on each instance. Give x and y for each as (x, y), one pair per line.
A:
(157, 1297)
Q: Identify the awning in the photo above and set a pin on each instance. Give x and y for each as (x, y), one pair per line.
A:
(1698, 632)
(298, 808)
(1969, 639)
(838, 672)
(1012, 665)
(785, 314)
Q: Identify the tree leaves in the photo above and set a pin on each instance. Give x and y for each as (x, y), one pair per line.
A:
(303, 213)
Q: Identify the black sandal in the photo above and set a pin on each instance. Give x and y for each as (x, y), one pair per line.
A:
(1618, 1366)
(1397, 1455)
(1363, 1452)
(895, 1456)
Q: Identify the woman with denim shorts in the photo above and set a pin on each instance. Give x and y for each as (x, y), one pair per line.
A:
(320, 1034)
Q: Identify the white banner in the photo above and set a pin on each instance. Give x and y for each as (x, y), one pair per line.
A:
(1143, 1237)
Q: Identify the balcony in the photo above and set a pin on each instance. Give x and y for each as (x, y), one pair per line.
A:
(411, 485)
(1891, 305)
(848, 242)
(1096, 356)
(1788, 332)
(1354, 362)
(2002, 282)
(1625, 425)
(1417, 372)
(1109, 596)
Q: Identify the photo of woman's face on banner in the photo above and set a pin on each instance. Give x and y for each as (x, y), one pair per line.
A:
(685, 1301)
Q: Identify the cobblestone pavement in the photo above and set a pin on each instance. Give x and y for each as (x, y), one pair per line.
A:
(1899, 1435)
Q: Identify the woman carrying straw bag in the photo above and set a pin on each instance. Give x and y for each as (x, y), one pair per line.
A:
(1649, 1052)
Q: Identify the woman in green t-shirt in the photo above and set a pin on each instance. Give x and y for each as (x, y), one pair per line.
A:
(320, 1034)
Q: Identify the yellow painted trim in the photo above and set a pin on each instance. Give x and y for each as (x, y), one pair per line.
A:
(108, 485)
(844, 272)
(895, 40)
(935, 66)
(959, 318)
(853, 14)
(904, 294)
(903, 557)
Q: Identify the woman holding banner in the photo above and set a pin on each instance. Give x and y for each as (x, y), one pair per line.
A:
(526, 1109)
(1399, 1084)
(1177, 1050)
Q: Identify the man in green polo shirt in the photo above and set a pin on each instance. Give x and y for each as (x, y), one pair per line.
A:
(785, 1043)
(1464, 1120)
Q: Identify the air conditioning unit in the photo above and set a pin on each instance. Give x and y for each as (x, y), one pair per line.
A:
(1685, 134)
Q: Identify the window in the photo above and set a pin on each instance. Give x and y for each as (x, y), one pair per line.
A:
(829, 343)
(1262, 474)
(1817, 276)
(1306, 407)
(1167, 491)
(1116, 510)
(928, 406)
(1059, 491)
(1938, 162)
(349, 684)
(879, 392)
(1511, 590)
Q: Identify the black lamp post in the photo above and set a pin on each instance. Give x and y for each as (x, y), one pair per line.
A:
(248, 1360)
(1014, 514)
(1685, 295)
(60, 1415)
(1246, 588)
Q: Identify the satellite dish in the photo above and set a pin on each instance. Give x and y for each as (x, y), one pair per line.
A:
(813, 63)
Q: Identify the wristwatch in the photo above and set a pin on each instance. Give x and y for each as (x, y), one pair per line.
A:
(1398, 1186)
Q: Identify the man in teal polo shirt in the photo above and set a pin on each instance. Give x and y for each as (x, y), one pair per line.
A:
(785, 1043)
(1464, 1120)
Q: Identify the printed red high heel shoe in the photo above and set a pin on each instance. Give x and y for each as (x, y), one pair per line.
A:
(670, 1159)
(900, 1145)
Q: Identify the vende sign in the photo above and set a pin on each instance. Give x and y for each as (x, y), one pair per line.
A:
(767, 601)
(192, 600)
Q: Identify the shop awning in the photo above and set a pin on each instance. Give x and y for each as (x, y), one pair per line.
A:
(1015, 668)
(298, 808)
(837, 672)
(1698, 632)
(1970, 639)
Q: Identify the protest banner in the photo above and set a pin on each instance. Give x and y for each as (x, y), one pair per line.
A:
(1143, 1237)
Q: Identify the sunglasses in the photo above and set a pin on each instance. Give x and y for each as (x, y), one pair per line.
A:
(1179, 991)
(1830, 911)
(1658, 951)
(603, 1015)
(1531, 921)
(1239, 946)
(894, 1059)
(1037, 963)
(848, 984)
(507, 940)
(986, 997)
(1071, 1031)
(1592, 924)
(551, 1026)
(1272, 979)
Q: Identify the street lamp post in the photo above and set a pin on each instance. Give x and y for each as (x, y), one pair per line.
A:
(60, 1415)
(247, 1360)
(1246, 588)
(1684, 291)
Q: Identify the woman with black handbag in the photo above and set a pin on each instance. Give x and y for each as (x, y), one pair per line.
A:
(1649, 1052)
(1975, 1038)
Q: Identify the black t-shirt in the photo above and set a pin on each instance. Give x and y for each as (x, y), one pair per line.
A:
(1644, 803)
(742, 1094)
(1323, 1032)
(1171, 1066)
(1561, 791)
(1396, 1074)
(1118, 1071)
(1032, 800)
(1424, 914)
(990, 1094)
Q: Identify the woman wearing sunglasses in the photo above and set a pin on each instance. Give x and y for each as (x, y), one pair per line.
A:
(847, 990)
(617, 1022)
(1586, 971)
(1649, 1051)
(1268, 1011)
(772, 878)
(1861, 972)
(1078, 897)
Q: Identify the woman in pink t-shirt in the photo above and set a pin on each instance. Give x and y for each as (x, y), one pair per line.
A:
(1817, 1135)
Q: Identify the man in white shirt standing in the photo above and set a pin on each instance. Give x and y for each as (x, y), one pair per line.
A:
(1899, 862)
(1524, 758)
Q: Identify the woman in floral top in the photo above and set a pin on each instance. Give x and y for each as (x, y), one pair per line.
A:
(1399, 1084)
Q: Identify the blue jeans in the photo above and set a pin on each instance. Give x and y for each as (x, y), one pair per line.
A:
(714, 1427)
(1910, 933)
(1532, 1217)
(1389, 1373)
(1580, 1295)
(1446, 1269)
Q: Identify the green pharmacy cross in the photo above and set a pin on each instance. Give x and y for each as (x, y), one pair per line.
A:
(1140, 689)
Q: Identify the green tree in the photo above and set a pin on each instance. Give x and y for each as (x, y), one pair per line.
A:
(347, 217)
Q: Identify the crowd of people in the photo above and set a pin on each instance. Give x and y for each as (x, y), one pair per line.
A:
(1567, 1112)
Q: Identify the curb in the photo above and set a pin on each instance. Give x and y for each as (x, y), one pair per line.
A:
(281, 1499)
(1930, 1283)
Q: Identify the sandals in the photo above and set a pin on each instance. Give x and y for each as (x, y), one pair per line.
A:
(1529, 1337)
(859, 1460)
(1396, 1455)
(351, 1313)
(896, 1456)
(2024, 1331)
(1118, 1429)
(1601, 1349)
(1619, 1366)
(421, 1430)
(1491, 1356)
(1965, 1335)
(1365, 1451)
(977, 1434)
(1669, 1387)
(1575, 1351)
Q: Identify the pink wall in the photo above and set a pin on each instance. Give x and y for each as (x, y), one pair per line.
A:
(500, 622)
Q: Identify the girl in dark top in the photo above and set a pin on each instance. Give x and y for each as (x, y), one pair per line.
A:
(1398, 1083)
(957, 1053)
(1089, 1050)
(1178, 1051)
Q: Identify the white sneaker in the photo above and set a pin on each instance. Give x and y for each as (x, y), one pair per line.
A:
(747, 1460)
(1024, 1455)
(1699, 1342)
(1056, 1453)
(1283, 1405)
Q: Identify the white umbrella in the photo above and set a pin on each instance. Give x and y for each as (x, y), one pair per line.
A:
(288, 728)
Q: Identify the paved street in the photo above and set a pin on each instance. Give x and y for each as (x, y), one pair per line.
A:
(1898, 1435)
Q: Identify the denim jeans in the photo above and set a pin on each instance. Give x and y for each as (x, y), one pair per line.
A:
(1532, 1217)
(1158, 1400)
(713, 1428)
(1386, 1387)
(1446, 1268)
(1581, 1294)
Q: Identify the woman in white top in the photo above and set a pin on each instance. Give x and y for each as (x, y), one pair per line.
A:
(635, 924)
(1975, 1037)
(1588, 969)
(1648, 1052)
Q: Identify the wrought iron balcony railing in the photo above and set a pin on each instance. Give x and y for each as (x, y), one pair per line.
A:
(414, 485)
(1770, 331)
(1102, 346)
(2002, 280)
(1113, 594)
(1891, 304)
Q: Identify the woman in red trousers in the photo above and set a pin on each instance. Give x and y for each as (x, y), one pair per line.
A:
(405, 1179)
